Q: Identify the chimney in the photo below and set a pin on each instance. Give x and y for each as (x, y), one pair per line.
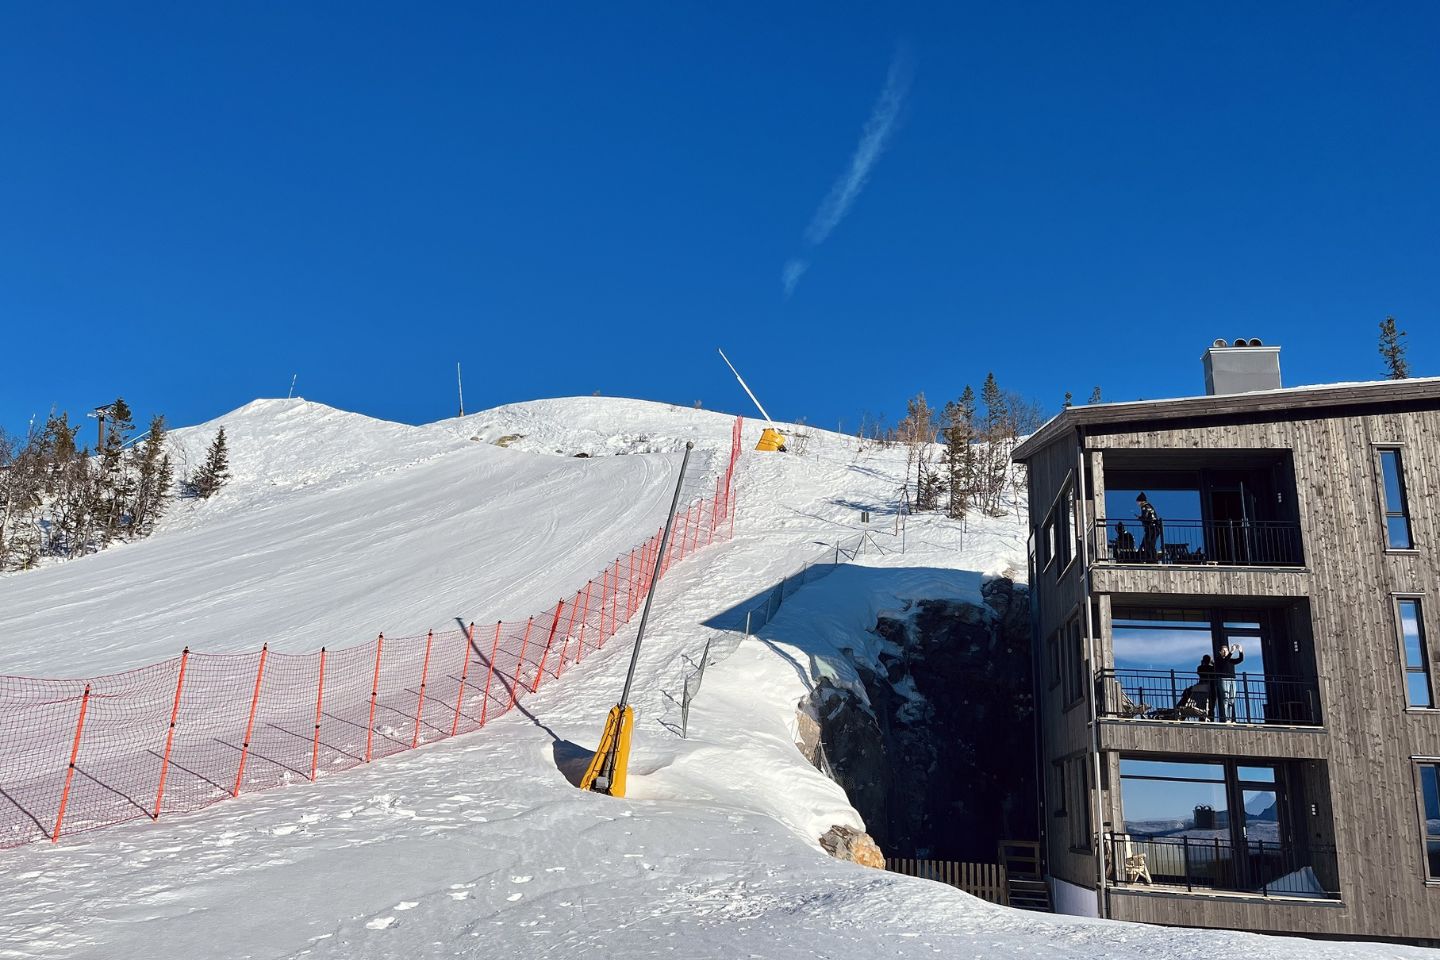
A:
(1241, 367)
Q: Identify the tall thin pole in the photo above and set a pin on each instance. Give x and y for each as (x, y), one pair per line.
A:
(650, 594)
(461, 387)
(746, 386)
(607, 766)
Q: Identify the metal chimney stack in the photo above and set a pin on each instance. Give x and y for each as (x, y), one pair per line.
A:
(1241, 367)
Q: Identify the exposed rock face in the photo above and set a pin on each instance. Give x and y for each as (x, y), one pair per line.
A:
(941, 760)
(846, 843)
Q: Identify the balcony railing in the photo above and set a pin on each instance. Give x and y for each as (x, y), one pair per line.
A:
(1210, 860)
(1263, 543)
(1179, 695)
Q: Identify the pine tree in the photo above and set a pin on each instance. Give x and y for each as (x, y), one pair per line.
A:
(153, 476)
(215, 470)
(1392, 348)
(958, 419)
(1095, 396)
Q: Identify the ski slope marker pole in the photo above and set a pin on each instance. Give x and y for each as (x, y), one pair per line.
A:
(424, 675)
(250, 724)
(374, 692)
(490, 674)
(170, 734)
(70, 770)
(319, 703)
(464, 670)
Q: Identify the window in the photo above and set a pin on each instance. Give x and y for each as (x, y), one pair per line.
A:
(1052, 646)
(1064, 528)
(1417, 660)
(1080, 825)
(1060, 790)
(1430, 803)
(1047, 544)
(1397, 514)
(1075, 666)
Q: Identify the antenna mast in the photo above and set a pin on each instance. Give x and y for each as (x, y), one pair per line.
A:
(461, 386)
(292, 386)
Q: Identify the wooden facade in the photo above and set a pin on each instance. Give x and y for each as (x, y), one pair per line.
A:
(1358, 766)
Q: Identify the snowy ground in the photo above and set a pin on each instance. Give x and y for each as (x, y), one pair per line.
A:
(480, 846)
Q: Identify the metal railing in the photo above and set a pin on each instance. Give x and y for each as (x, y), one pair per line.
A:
(1226, 543)
(760, 613)
(1207, 862)
(1179, 695)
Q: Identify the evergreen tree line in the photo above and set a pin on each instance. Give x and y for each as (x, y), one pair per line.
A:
(61, 499)
(972, 470)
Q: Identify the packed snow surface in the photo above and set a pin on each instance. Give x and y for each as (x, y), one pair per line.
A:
(338, 526)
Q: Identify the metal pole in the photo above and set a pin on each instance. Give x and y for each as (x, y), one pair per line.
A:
(650, 594)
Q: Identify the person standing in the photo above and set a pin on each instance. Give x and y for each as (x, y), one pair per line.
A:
(1206, 672)
(1225, 680)
(1150, 522)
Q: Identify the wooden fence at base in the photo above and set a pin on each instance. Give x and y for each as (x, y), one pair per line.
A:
(983, 880)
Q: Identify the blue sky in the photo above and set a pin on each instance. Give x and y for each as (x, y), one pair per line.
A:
(571, 198)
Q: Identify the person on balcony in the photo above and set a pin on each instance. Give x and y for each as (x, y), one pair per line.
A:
(1154, 528)
(1225, 681)
(1124, 542)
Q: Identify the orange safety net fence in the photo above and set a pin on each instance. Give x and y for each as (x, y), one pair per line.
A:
(179, 735)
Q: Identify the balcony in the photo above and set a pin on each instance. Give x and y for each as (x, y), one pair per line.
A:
(1178, 696)
(1210, 860)
(1226, 543)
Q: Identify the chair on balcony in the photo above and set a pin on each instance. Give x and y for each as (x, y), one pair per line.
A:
(1119, 703)
(1132, 865)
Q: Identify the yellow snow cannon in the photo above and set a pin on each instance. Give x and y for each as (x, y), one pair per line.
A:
(771, 439)
(606, 773)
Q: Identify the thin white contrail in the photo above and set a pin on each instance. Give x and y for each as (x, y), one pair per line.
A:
(873, 139)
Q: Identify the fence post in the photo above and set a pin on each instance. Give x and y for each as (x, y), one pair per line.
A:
(584, 615)
(614, 602)
(250, 724)
(604, 598)
(464, 671)
(170, 734)
(714, 515)
(554, 625)
(374, 692)
(490, 673)
(630, 586)
(520, 663)
(569, 629)
(319, 701)
(424, 675)
(70, 771)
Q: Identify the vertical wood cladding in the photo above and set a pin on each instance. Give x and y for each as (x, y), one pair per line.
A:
(1350, 579)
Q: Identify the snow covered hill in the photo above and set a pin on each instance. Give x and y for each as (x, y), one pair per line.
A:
(337, 526)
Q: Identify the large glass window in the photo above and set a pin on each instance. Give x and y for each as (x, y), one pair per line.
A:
(1417, 660)
(1161, 639)
(1430, 801)
(1164, 799)
(1397, 512)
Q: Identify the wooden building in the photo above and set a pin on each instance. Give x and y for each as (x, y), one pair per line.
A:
(1294, 790)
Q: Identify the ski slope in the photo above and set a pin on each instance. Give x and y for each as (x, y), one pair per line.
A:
(338, 526)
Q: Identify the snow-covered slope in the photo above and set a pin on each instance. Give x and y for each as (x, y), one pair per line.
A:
(480, 846)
